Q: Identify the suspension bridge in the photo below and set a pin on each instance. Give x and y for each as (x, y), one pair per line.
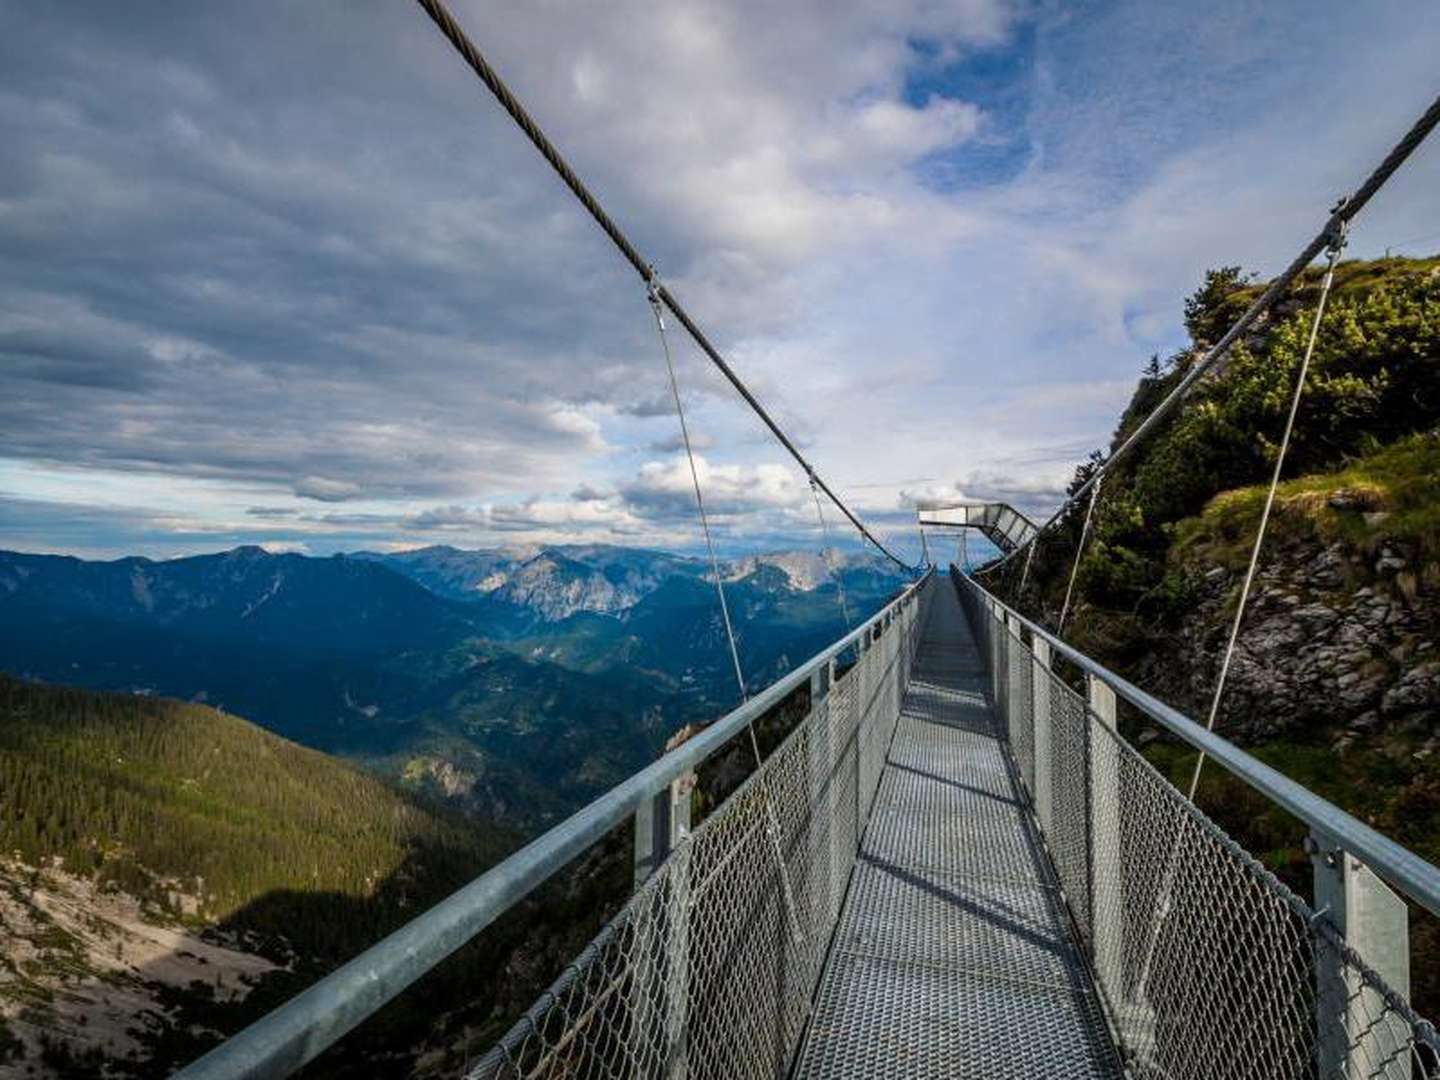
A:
(955, 864)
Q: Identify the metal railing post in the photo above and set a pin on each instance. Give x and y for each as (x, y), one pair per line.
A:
(820, 684)
(1013, 675)
(997, 664)
(1107, 897)
(1375, 923)
(999, 630)
(824, 757)
(661, 824)
(857, 736)
(843, 844)
(1040, 704)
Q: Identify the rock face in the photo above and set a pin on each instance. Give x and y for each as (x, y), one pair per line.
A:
(1332, 638)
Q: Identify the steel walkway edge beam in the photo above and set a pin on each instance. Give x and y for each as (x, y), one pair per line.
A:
(1419, 879)
(302, 1028)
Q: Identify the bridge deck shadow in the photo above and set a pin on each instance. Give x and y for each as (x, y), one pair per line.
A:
(953, 956)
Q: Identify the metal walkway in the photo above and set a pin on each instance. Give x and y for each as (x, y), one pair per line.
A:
(875, 900)
(954, 955)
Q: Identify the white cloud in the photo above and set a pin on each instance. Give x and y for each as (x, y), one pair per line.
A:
(361, 284)
(325, 490)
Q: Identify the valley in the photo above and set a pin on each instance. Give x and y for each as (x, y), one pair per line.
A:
(517, 684)
(169, 870)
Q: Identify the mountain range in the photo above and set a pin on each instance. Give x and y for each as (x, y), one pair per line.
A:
(518, 683)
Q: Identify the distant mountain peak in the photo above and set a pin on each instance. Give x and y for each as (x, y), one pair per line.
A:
(557, 581)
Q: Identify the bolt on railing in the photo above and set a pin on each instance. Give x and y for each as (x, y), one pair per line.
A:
(1208, 964)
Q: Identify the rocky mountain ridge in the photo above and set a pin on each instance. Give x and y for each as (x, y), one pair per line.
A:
(1316, 651)
(560, 581)
(520, 703)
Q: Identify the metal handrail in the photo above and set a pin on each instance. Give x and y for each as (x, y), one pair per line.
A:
(299, 1030)
(1414, 876)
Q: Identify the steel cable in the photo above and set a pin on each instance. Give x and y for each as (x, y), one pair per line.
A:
(699, 498)
(442, 18)
(1079, 551)
(1340, 217)
(1337, 245)
(772, 820)
(1166, 900)
(825, 555)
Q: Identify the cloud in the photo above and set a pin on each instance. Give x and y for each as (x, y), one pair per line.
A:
(665, 490)
(326, 490)
(672, 443)
(935, 239)
(586, 493)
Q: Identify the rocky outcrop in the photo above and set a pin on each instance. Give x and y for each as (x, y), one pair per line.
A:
(1334, 638)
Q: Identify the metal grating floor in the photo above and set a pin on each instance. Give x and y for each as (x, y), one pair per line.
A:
(953, 956)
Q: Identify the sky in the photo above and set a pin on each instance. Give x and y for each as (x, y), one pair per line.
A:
(285, 274)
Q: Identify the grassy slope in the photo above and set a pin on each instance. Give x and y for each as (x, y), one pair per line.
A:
(1399, 483)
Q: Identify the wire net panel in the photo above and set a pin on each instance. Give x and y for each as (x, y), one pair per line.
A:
(1019, 714)
(1067, 833)
(710, 968)
(1208, 964)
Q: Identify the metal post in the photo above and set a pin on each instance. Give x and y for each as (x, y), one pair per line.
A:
(1107, 897)
(661, 824)
(857, 697)
(1040, 701)
(1374, 921)
(866, 712)
(824, 756)
(1001, 650)
(1014, 646)
(845, 741)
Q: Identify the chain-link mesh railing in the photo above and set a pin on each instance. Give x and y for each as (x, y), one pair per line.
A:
(1210, 966)
(709, 970)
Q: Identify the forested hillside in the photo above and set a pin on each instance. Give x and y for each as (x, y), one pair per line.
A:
(166, 799)
(268, 862)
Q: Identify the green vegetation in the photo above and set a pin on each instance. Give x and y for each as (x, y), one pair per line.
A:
(1374, 381)
(1394, 493)
(160, 798)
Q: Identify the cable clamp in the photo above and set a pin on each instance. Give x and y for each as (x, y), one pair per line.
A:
(1339, 227)
(652, 290)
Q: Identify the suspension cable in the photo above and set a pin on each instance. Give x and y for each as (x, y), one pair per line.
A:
(699, 499)
(1079, 551)
(1337, 244)
(438, 12)
(1025, 573)
(1341, 215)
(825, 555)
